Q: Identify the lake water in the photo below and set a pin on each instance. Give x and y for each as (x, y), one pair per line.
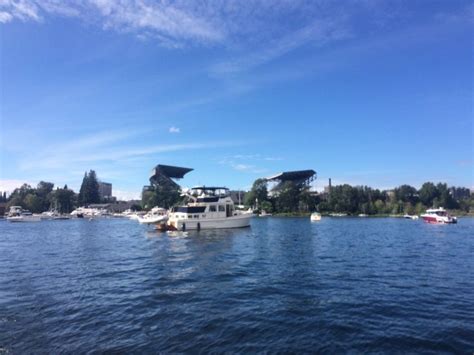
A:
(285, 284)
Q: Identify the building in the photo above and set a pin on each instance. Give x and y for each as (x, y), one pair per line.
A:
(163, 175)
(105, 190)
(303, 178)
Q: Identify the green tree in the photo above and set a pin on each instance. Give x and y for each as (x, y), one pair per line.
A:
(63, 200)
(259, 192)
(406, 193)
(89, 191)
(289, 197)
(427, 193)
(43, 190)
(33, 203)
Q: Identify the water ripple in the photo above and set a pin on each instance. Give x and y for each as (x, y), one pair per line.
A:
(285, 285)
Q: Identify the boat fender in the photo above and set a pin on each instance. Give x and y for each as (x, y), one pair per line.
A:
(199, 226)
(183, 228)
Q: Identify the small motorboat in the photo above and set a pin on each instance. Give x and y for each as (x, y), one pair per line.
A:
(315, 216)
(157, 215)
(18, 214)
(408, 216)
(438, 216)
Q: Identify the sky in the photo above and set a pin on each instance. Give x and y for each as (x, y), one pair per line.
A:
(365, 92)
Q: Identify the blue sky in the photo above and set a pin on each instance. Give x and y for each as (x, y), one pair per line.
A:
(378, 93)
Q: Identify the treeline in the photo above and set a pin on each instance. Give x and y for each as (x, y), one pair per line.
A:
(293, 197)
(44, 197)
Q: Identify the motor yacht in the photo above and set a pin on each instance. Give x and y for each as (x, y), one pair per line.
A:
(315, 216)
(207, 208)
(18, 214)
(438, 215)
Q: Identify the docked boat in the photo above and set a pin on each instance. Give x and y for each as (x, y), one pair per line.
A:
(408, 216)
(207, 208)
(157, 215)
(315, 216)
(18, 214)
(53, 215)
(264, 213)
(85, 212)
(438, 215)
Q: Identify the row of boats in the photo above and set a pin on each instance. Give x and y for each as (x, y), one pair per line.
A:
(206, 208)
(432, 215)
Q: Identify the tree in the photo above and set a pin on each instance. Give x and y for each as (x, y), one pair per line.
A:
(43, 190)
(427, 193)
(259, 192)
(89, 191)
(33, 203)
(93, 183)
(63, 200)
(82, 198)
(406, 193)
(288, 198)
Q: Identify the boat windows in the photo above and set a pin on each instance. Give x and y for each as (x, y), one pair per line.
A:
(190, 216)
(221, 208)
(212, 208)
(196, 216)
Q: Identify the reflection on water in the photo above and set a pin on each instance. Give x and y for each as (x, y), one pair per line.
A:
(285, 284)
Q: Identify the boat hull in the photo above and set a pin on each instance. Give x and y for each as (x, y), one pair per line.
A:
(153, 220)
(18, 219)
(218, 223)
(439, 220)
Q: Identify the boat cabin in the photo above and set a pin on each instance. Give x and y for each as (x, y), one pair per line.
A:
(206, 202)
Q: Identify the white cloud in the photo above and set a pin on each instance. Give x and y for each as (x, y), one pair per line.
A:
(5, 17)
(171, 24)
(124, 195)
(174, 129)
(9, 185)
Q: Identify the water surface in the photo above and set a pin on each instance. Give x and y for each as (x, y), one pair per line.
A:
(285, 284)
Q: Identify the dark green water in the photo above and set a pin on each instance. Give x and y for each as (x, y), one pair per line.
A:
(289, 285)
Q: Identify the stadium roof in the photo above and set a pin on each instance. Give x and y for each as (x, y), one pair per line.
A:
(292, 175)
(174, 172)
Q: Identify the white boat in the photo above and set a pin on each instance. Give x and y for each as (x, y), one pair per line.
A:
(439, 216)
(408, 216)
(54, 215)
(264, 213)
(18, 214)
(315, 216)
(208, 208)
(155, 216)
(363, 215)
(86, 212)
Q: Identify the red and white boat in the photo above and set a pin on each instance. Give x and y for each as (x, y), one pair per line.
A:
(438, 215)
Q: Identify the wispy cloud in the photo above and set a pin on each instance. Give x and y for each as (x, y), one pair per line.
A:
(111, 147)
(317, 33)
(170, 24)
(248, 163)
(174, 129)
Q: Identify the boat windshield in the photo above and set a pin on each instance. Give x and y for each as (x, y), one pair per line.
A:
(209, 191)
